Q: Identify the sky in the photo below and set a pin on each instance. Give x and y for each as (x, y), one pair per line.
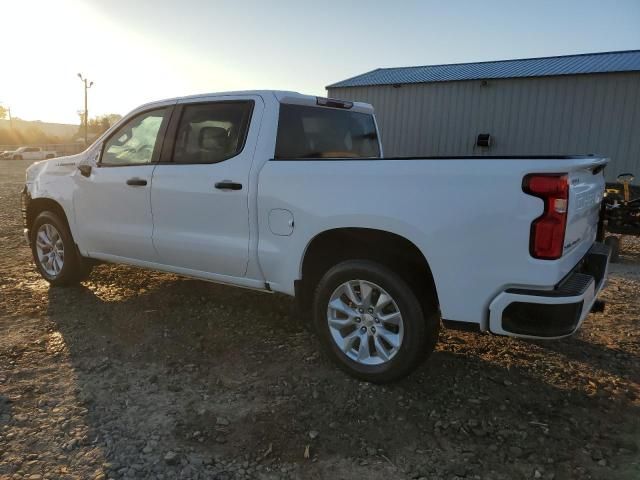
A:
(136, 51)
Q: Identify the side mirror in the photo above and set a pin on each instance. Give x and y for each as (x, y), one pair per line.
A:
(85, 170)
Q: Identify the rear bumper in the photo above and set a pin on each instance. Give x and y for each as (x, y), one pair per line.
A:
(556, 313)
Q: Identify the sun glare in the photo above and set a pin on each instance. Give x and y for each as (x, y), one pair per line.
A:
(128, 68)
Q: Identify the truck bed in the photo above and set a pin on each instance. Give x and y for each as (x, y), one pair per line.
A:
(469, 216)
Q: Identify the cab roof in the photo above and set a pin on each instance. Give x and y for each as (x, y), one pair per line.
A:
(281, 96)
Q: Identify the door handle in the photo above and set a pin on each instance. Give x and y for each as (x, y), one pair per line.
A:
(137, 182)
(228, 185)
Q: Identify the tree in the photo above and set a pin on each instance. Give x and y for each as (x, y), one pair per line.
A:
(112, 118)
(98, 125)
(4, 112)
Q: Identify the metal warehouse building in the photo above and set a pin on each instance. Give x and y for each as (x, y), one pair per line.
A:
(555, 105)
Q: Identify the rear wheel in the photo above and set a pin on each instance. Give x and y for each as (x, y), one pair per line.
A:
(55, 252)
(371, 323)
(17, 157)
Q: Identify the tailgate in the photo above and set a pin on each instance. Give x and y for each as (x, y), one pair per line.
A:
(586, 189)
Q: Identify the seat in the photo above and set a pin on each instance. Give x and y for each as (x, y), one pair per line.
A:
(213, 143)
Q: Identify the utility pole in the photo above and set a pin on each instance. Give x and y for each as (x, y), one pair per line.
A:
(87, 86)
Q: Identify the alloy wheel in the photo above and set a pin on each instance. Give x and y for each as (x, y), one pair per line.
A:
(365, 322)
(50, 249)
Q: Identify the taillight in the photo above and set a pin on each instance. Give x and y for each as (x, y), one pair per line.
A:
(547, 231)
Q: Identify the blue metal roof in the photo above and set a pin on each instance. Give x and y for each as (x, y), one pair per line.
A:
(623, 61)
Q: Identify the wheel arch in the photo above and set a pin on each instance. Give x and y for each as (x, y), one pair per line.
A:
(77, 267)
(395, 251)
(41, 204)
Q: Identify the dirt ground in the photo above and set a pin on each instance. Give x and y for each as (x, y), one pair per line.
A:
(137, 374)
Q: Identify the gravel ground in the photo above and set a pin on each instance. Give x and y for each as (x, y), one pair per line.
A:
(137, 374)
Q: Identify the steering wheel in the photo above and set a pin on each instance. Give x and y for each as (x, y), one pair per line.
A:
(138, 149)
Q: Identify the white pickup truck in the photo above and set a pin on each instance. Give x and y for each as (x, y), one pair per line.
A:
(31, 153)
(283, 192)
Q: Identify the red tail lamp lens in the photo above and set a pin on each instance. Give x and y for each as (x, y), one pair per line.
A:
(548, 230)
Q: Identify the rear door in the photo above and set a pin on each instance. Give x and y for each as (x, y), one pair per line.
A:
(200, 188)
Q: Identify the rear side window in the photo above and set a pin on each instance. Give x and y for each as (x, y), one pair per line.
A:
(319, 132)
(212, 132)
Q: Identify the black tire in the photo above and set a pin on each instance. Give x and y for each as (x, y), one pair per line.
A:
(421, 321)
(614, 243)
(74, 269)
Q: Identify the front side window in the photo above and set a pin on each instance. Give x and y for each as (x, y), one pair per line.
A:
(134, 142)
(320, 132)
(212, 132)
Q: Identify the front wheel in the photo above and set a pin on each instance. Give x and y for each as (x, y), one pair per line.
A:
(55, 252)
(371, 323)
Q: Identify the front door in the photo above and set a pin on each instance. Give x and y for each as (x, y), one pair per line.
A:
(200, 190)
(32, 153)
(112, 203)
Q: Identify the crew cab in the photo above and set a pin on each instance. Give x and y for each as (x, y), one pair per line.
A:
(283, 192)
(31, 153)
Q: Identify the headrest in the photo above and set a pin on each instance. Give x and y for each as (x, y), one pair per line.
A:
(212, 137)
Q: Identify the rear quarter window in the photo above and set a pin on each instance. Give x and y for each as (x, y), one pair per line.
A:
(306, 132)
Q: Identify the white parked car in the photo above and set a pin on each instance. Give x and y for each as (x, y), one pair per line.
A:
(31, 153)
(283, 192)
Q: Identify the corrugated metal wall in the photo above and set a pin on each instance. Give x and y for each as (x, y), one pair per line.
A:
(598, 113)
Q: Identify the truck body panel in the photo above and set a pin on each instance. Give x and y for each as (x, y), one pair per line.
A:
(469, 216)
(475, 248)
